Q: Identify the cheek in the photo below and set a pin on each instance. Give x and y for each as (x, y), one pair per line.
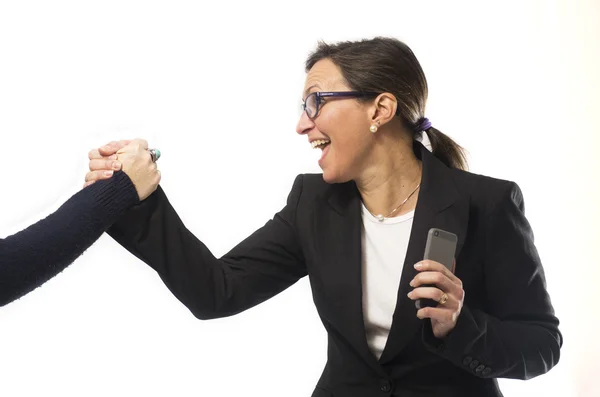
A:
(350, 152)
(342, 125)
(348, 134)
(352, 136)
(328, 121)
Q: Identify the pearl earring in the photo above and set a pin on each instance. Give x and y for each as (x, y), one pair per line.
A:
(373, 128)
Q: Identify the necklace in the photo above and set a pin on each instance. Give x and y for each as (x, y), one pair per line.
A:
(380, 217)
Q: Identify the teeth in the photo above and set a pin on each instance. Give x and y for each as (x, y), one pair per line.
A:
(319, 142)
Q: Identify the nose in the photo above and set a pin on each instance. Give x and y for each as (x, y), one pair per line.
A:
(305, 124)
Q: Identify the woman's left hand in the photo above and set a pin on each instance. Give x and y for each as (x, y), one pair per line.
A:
(444, 316)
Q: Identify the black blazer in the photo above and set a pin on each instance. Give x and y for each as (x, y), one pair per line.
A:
(507, 327)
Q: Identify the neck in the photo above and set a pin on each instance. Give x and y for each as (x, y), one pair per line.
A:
(391, 177)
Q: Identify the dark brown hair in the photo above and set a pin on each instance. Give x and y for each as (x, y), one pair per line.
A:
(388, 65)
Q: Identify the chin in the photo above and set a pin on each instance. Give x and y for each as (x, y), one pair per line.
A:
(331, 176)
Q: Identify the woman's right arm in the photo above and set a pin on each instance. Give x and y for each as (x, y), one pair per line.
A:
(264, 264)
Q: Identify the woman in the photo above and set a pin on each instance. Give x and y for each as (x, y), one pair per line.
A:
(33, 256)
(351, 229)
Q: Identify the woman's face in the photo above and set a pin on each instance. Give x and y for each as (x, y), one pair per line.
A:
(342, 122)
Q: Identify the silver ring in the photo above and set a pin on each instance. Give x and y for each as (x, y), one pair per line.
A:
(155, 154)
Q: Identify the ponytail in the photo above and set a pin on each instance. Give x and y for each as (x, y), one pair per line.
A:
(446, 150)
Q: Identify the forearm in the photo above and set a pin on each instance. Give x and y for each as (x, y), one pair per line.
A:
(33, 256)
(261, 266)
(154, 233)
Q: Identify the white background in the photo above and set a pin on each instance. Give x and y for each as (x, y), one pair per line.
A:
(217, 88)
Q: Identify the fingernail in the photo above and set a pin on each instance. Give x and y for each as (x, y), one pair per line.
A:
(113, 157)
(108, 173)
(409, 294)
(418, 266)
(412, 283)
(106, 148)
(116, 166)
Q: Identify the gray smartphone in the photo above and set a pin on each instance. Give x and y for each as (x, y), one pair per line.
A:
(440, 247)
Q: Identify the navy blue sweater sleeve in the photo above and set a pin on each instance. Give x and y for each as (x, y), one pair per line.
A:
(33, 256)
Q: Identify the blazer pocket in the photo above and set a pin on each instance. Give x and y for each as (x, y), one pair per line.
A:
(320, 392)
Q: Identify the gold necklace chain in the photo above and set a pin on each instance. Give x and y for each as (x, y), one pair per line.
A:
(381, 218)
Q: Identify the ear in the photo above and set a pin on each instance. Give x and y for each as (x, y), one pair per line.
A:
(383, 109)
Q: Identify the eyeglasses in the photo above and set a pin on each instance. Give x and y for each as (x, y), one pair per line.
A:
(315, 100)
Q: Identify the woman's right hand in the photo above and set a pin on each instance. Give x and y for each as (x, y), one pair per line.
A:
(130, 156)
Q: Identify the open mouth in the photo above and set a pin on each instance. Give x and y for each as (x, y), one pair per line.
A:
(320, 143)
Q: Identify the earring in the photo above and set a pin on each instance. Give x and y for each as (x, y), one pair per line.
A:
(373, 128)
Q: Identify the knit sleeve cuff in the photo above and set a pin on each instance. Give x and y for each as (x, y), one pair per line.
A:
(114, 196)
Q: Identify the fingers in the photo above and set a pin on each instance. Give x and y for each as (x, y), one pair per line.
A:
(436, 278)
(109, 149)
(94, 154)
(434, 294)
(112, 147)
(104, 164)
(443, 316)
(440, 313)
(94, 176)
(441, 281)
(429, 265)
(427, 292)
(129, 156)
(432, 281)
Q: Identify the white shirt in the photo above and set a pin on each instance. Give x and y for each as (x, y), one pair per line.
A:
(384, 246)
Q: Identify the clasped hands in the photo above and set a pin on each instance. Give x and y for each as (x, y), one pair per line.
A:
(129, 156)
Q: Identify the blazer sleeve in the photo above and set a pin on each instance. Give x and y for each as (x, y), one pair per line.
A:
(34, 255)
(517, 337)
(264, 264)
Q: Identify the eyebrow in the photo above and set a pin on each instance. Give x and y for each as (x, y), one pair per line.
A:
(310, 88)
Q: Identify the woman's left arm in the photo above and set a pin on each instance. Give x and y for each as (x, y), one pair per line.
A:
(517, 337)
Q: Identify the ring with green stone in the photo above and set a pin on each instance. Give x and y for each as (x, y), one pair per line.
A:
(155, 154)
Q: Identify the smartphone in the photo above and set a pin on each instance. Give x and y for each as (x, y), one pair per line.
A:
(440, 247)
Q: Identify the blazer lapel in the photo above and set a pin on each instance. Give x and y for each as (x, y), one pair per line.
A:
(338, 230)
(439, 206)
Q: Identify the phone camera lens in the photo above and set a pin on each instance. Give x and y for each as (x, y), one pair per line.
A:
(436, 234)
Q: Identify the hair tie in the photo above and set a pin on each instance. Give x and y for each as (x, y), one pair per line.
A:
(423, 124)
